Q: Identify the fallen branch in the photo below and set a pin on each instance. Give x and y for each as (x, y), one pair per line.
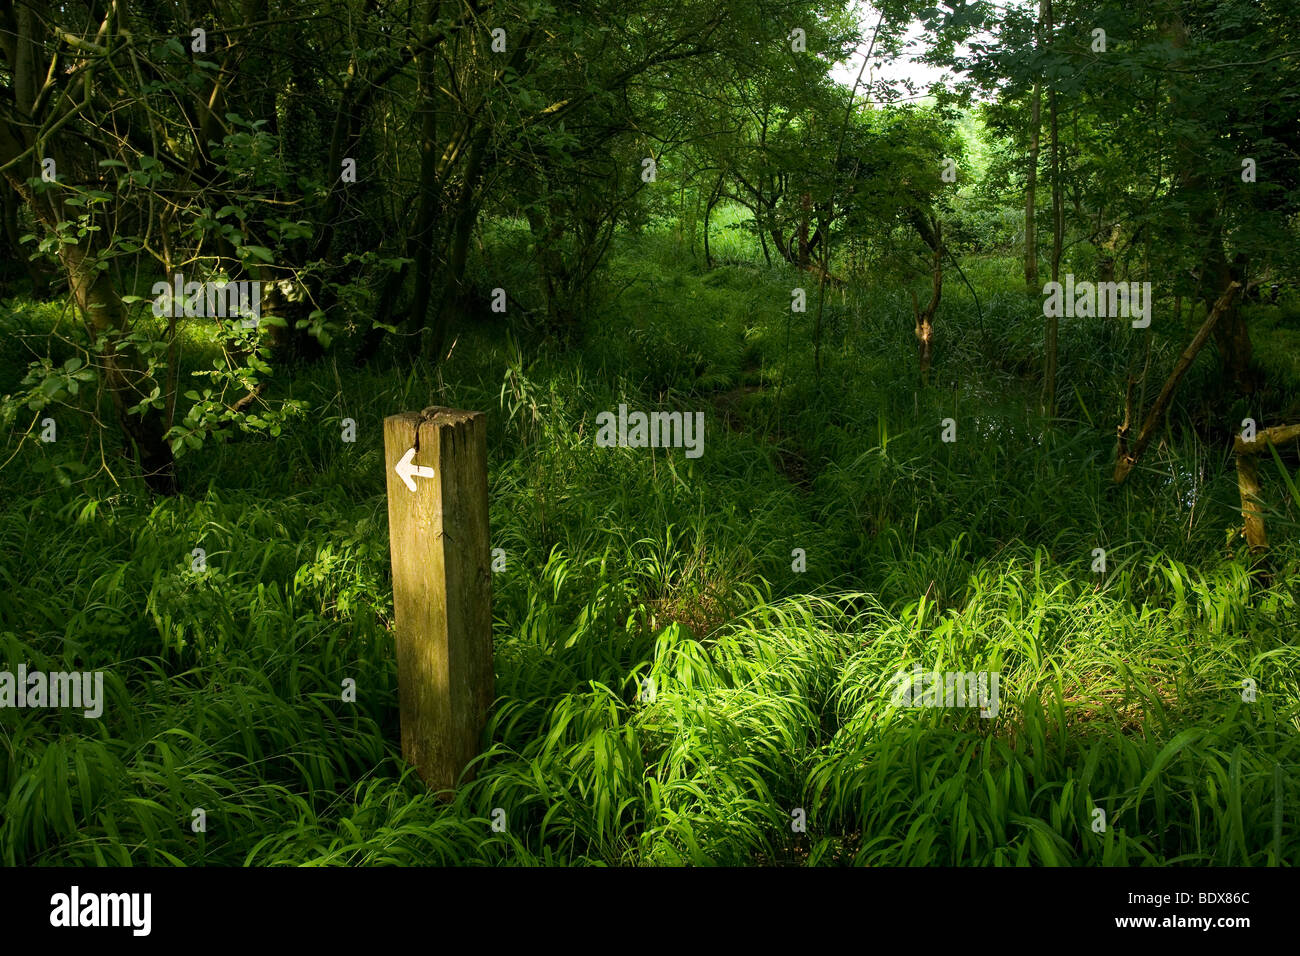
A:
(1277, 435)
(829, 278)
(1128, 459)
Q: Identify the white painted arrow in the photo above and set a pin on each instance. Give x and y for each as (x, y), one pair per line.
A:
(409, 472)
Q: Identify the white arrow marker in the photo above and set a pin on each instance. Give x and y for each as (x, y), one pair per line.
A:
(409, 472)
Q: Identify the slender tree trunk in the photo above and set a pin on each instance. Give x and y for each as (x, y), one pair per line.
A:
(547, 228)
(1031, 195)
(464, 216)
(805, 204)
(708, 216)
(925, 319)
(1058, 238)
(426, 216)
(760, 207)
(1231, 334)
(762, 236)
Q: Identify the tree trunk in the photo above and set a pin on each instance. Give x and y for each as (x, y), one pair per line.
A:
(464, 216)
(426, 217)
(123, 369)
(123, 372)
(1031, 196)
(1232, 335)
(1058, 239)
(36, 274)
(708, 216)
(925, 319)
(805, 205)
(547, 231)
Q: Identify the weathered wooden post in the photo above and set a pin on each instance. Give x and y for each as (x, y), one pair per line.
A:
(1248, 479)
(436, 461)
(1251, 513)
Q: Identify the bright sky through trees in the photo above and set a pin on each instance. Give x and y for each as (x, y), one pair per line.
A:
(898, 70)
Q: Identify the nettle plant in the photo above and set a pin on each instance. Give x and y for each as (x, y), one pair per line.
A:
(144, 245)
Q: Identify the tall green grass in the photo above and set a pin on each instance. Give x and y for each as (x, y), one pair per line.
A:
(631, 569)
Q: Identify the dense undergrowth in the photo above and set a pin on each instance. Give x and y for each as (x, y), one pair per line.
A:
(1121, 691)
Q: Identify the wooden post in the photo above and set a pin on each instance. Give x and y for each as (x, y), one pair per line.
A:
(436, 462)
(1248, 486)
(1248, 479)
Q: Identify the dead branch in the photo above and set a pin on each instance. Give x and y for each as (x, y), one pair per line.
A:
(1125, 463)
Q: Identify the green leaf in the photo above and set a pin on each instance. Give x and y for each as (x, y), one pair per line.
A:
(1285, 473)
(258, 252)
